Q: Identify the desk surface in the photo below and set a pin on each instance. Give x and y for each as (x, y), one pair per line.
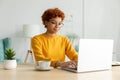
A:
(28, 72)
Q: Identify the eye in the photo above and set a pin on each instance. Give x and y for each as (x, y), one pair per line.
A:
(60, 23)
(53, 22)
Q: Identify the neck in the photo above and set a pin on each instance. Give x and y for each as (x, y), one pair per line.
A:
(50, 34)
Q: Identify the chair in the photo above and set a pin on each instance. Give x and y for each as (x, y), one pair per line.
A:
(4, 44)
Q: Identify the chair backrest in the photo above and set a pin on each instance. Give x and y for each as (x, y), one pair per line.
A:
(4, 44)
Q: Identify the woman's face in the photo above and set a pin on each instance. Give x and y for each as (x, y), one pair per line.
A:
(53, 25)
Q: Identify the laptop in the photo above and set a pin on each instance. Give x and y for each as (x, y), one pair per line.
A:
(94, 55)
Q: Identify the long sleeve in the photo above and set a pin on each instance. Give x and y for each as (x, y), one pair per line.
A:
(70, 51)
(37, 49)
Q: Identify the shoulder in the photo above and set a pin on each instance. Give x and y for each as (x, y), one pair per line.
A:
(37, 37)
(65, 38)
(61, 36)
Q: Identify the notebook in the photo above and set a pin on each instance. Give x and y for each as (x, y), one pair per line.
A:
(94, 55)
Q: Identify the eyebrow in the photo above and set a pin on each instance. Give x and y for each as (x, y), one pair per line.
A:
(56, 21)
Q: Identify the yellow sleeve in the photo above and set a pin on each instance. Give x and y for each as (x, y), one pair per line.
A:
(70, 51)
(37, 49)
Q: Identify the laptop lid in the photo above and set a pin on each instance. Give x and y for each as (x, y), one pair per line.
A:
(94, 54)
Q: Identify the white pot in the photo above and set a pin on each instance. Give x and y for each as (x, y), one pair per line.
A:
(10, 64)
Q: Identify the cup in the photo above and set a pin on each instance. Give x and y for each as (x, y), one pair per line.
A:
(43, 65)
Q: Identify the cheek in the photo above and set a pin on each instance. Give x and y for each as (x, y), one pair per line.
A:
(59, 29)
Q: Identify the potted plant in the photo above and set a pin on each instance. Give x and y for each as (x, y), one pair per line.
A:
(10, 61)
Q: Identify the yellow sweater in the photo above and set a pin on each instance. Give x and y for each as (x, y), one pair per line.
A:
(53, 48)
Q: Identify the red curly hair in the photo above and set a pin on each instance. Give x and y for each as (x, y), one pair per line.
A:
(52, 13)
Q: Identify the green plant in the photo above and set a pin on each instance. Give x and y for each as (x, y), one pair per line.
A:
(10, 54)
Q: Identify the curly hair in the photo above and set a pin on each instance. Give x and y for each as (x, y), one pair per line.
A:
(52, 13)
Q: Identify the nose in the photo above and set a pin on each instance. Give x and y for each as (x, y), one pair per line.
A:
(57, 25)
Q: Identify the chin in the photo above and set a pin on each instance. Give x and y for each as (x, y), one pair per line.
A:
(55, 31)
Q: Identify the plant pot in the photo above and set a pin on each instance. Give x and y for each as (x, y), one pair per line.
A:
(10, 64)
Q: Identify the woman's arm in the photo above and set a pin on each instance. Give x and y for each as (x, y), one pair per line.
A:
(70, 51)
(37, 49)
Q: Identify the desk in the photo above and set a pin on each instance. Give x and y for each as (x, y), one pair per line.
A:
(28, 72)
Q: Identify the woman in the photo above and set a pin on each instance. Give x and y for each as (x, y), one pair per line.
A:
(52, 46)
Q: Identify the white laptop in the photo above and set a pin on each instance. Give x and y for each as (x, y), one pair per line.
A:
(94, 55)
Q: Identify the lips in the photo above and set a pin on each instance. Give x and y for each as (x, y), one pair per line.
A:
(55, 29)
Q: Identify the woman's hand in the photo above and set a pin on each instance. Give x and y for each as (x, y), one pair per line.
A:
(68, 64)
